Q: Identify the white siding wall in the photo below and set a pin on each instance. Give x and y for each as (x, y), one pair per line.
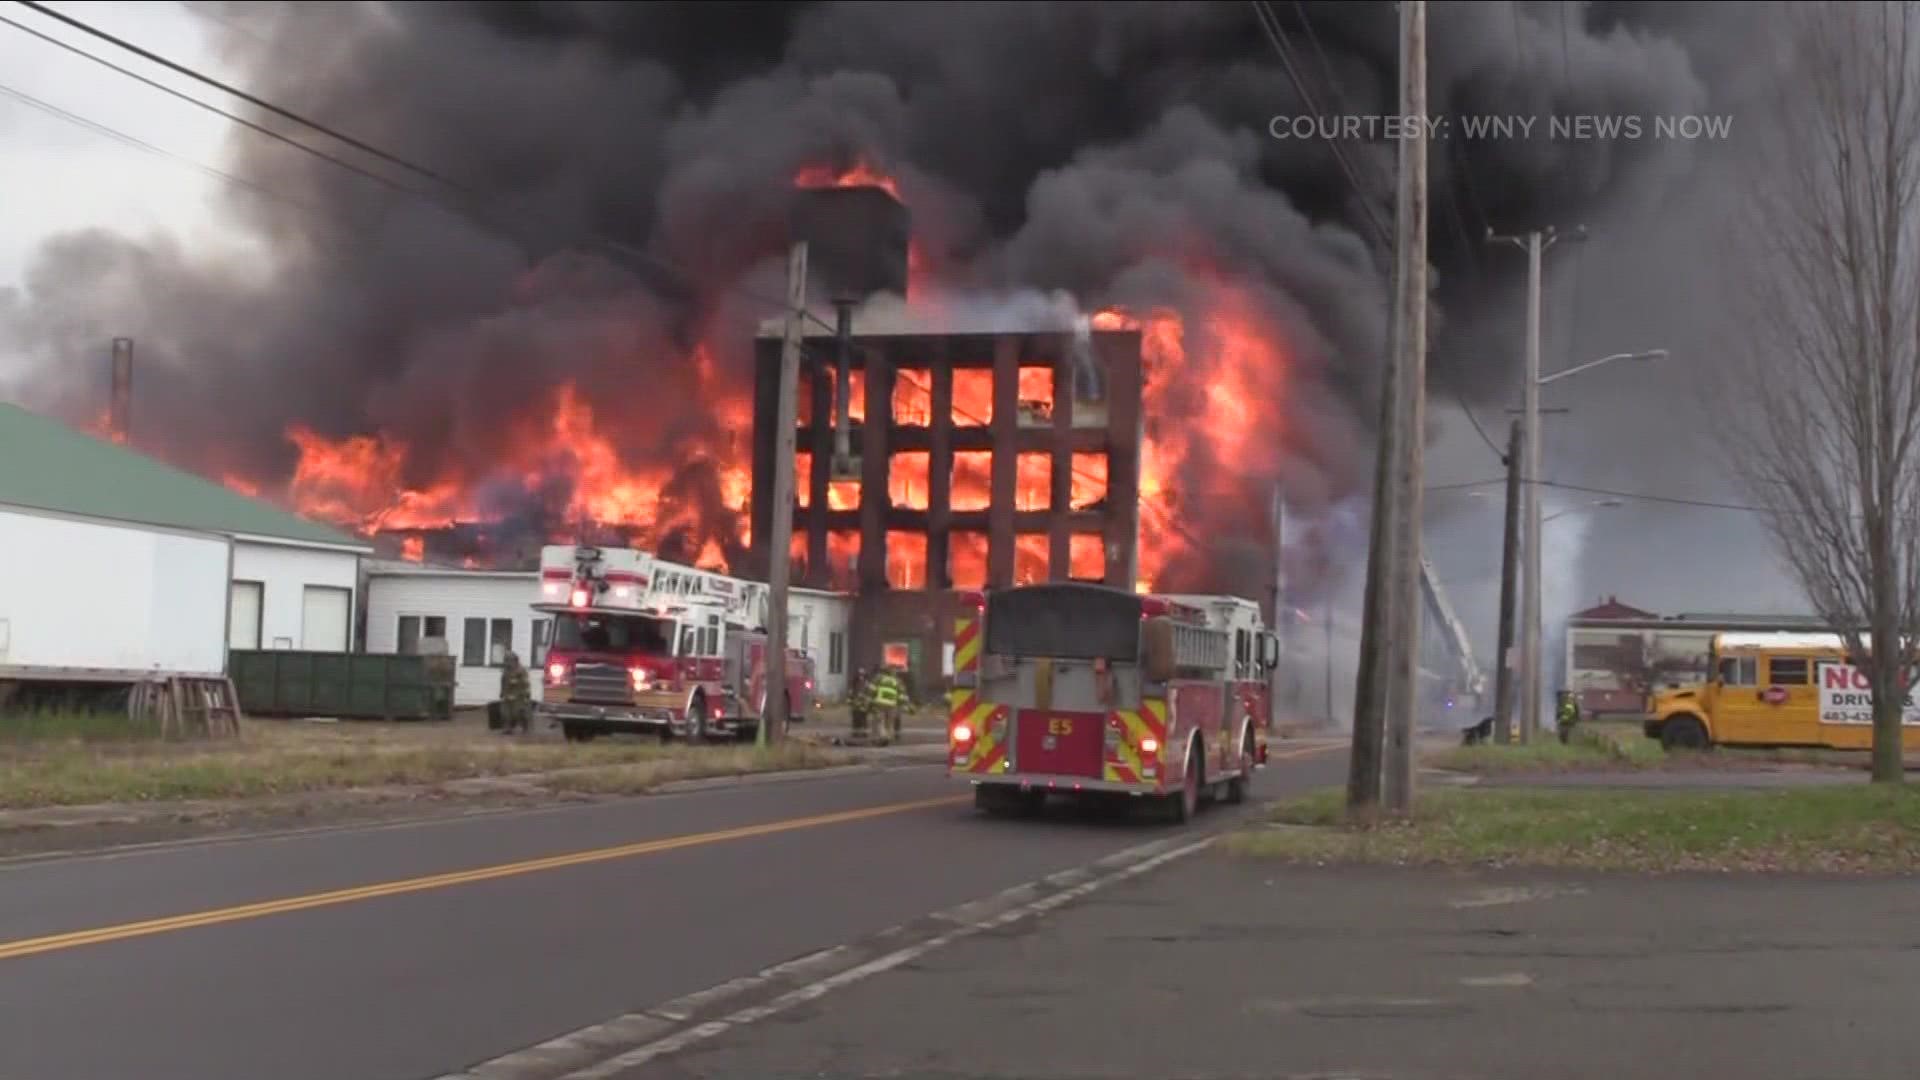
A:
(818, 617)
(457, 598)
(161, 593)
(285, 573)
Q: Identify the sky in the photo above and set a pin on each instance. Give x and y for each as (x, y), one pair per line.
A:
(60, 174)
(1624, 427)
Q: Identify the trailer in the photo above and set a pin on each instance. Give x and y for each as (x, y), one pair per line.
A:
(88, 604)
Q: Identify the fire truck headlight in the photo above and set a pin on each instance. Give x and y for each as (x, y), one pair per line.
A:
(962, 733)
(1149, 746)
(641, 679)
(579, 598)
(556, 671)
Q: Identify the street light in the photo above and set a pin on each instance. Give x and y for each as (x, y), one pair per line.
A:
(1530, 594)
(1650, 354)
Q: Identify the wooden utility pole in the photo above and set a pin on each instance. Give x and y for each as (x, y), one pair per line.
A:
(1391, 564)
(1279, 625)
(1535, 244)
(773, 717)
(1378, 629)
(1509, 573)
(1410, 242)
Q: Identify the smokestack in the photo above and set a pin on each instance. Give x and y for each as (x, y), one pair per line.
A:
(122, 390)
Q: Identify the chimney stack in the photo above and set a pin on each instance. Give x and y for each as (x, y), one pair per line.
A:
(122, 389)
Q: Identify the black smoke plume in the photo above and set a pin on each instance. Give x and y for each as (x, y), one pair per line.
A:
(1118, 151)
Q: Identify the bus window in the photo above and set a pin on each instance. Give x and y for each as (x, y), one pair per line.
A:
(1739, 670)
(1787, 671)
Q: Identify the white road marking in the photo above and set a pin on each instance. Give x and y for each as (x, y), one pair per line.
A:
(1515, 978)
(1520, 895)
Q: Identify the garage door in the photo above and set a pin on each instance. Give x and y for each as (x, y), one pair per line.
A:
(323, 619)
(243, 616)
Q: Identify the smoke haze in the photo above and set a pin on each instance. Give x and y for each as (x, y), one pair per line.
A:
(1110, 153)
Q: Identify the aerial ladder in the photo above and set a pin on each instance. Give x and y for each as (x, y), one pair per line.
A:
(1472, 683)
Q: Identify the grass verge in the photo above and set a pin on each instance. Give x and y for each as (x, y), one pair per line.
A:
(642, 777)
(75, 726)
(1587, 749)
(281, 758)
(1864, 828)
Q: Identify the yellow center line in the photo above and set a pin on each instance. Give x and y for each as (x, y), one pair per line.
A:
(55, 942)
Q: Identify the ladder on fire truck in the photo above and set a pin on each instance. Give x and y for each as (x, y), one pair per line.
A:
(1471, 678)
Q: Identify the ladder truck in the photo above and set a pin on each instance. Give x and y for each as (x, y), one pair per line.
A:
(1469, 684)
(642, 645)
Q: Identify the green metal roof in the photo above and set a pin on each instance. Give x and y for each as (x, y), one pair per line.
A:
(46, 465)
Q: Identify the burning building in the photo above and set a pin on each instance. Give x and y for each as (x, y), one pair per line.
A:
(940, 458)
(964, 465)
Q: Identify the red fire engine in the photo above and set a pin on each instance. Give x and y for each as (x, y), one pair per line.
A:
(1073, 688)
(644, 645)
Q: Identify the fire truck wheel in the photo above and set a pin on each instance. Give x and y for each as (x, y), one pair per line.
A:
(576, 733)
(1183, 807)
(1237, 787)
(697, 720)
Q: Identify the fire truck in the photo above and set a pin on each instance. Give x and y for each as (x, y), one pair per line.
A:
(1082, 689)
(647, 646)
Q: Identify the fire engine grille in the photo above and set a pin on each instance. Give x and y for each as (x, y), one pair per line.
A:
(602, 682)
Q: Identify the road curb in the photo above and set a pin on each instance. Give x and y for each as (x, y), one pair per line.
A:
(608, 1049)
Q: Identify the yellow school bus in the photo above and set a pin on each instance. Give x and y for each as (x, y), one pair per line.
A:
(1774, 689)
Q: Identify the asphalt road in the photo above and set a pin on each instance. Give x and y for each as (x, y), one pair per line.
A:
(409, 951)
(1212, 968)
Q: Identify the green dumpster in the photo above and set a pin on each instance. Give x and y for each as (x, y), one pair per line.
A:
(281, 682)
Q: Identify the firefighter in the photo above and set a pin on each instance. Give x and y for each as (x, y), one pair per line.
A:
(858, 702)
(516, 694)
(1567, 715)
(887, 695)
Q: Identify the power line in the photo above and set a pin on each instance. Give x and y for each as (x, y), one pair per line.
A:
(215, 109)
(140, 144)
(251, 99)
(679, 276)
(1465, 484)
(1270, 23)
(1642, 496)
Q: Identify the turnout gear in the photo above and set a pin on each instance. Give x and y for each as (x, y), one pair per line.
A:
(887, 695)
(1567, 715)
(516, 694)
(858, 702)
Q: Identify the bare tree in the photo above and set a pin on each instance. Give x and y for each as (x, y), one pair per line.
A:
(1827, 393)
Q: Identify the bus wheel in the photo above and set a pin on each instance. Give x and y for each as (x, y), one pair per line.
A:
(1684, 733)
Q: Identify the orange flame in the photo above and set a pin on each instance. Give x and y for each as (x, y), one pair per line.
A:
(413, 549)
(359, 481)
(240, 484)
(861, 174)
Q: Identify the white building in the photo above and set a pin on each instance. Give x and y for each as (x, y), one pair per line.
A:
(292, 581)
(819, 623)
(477, 614)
